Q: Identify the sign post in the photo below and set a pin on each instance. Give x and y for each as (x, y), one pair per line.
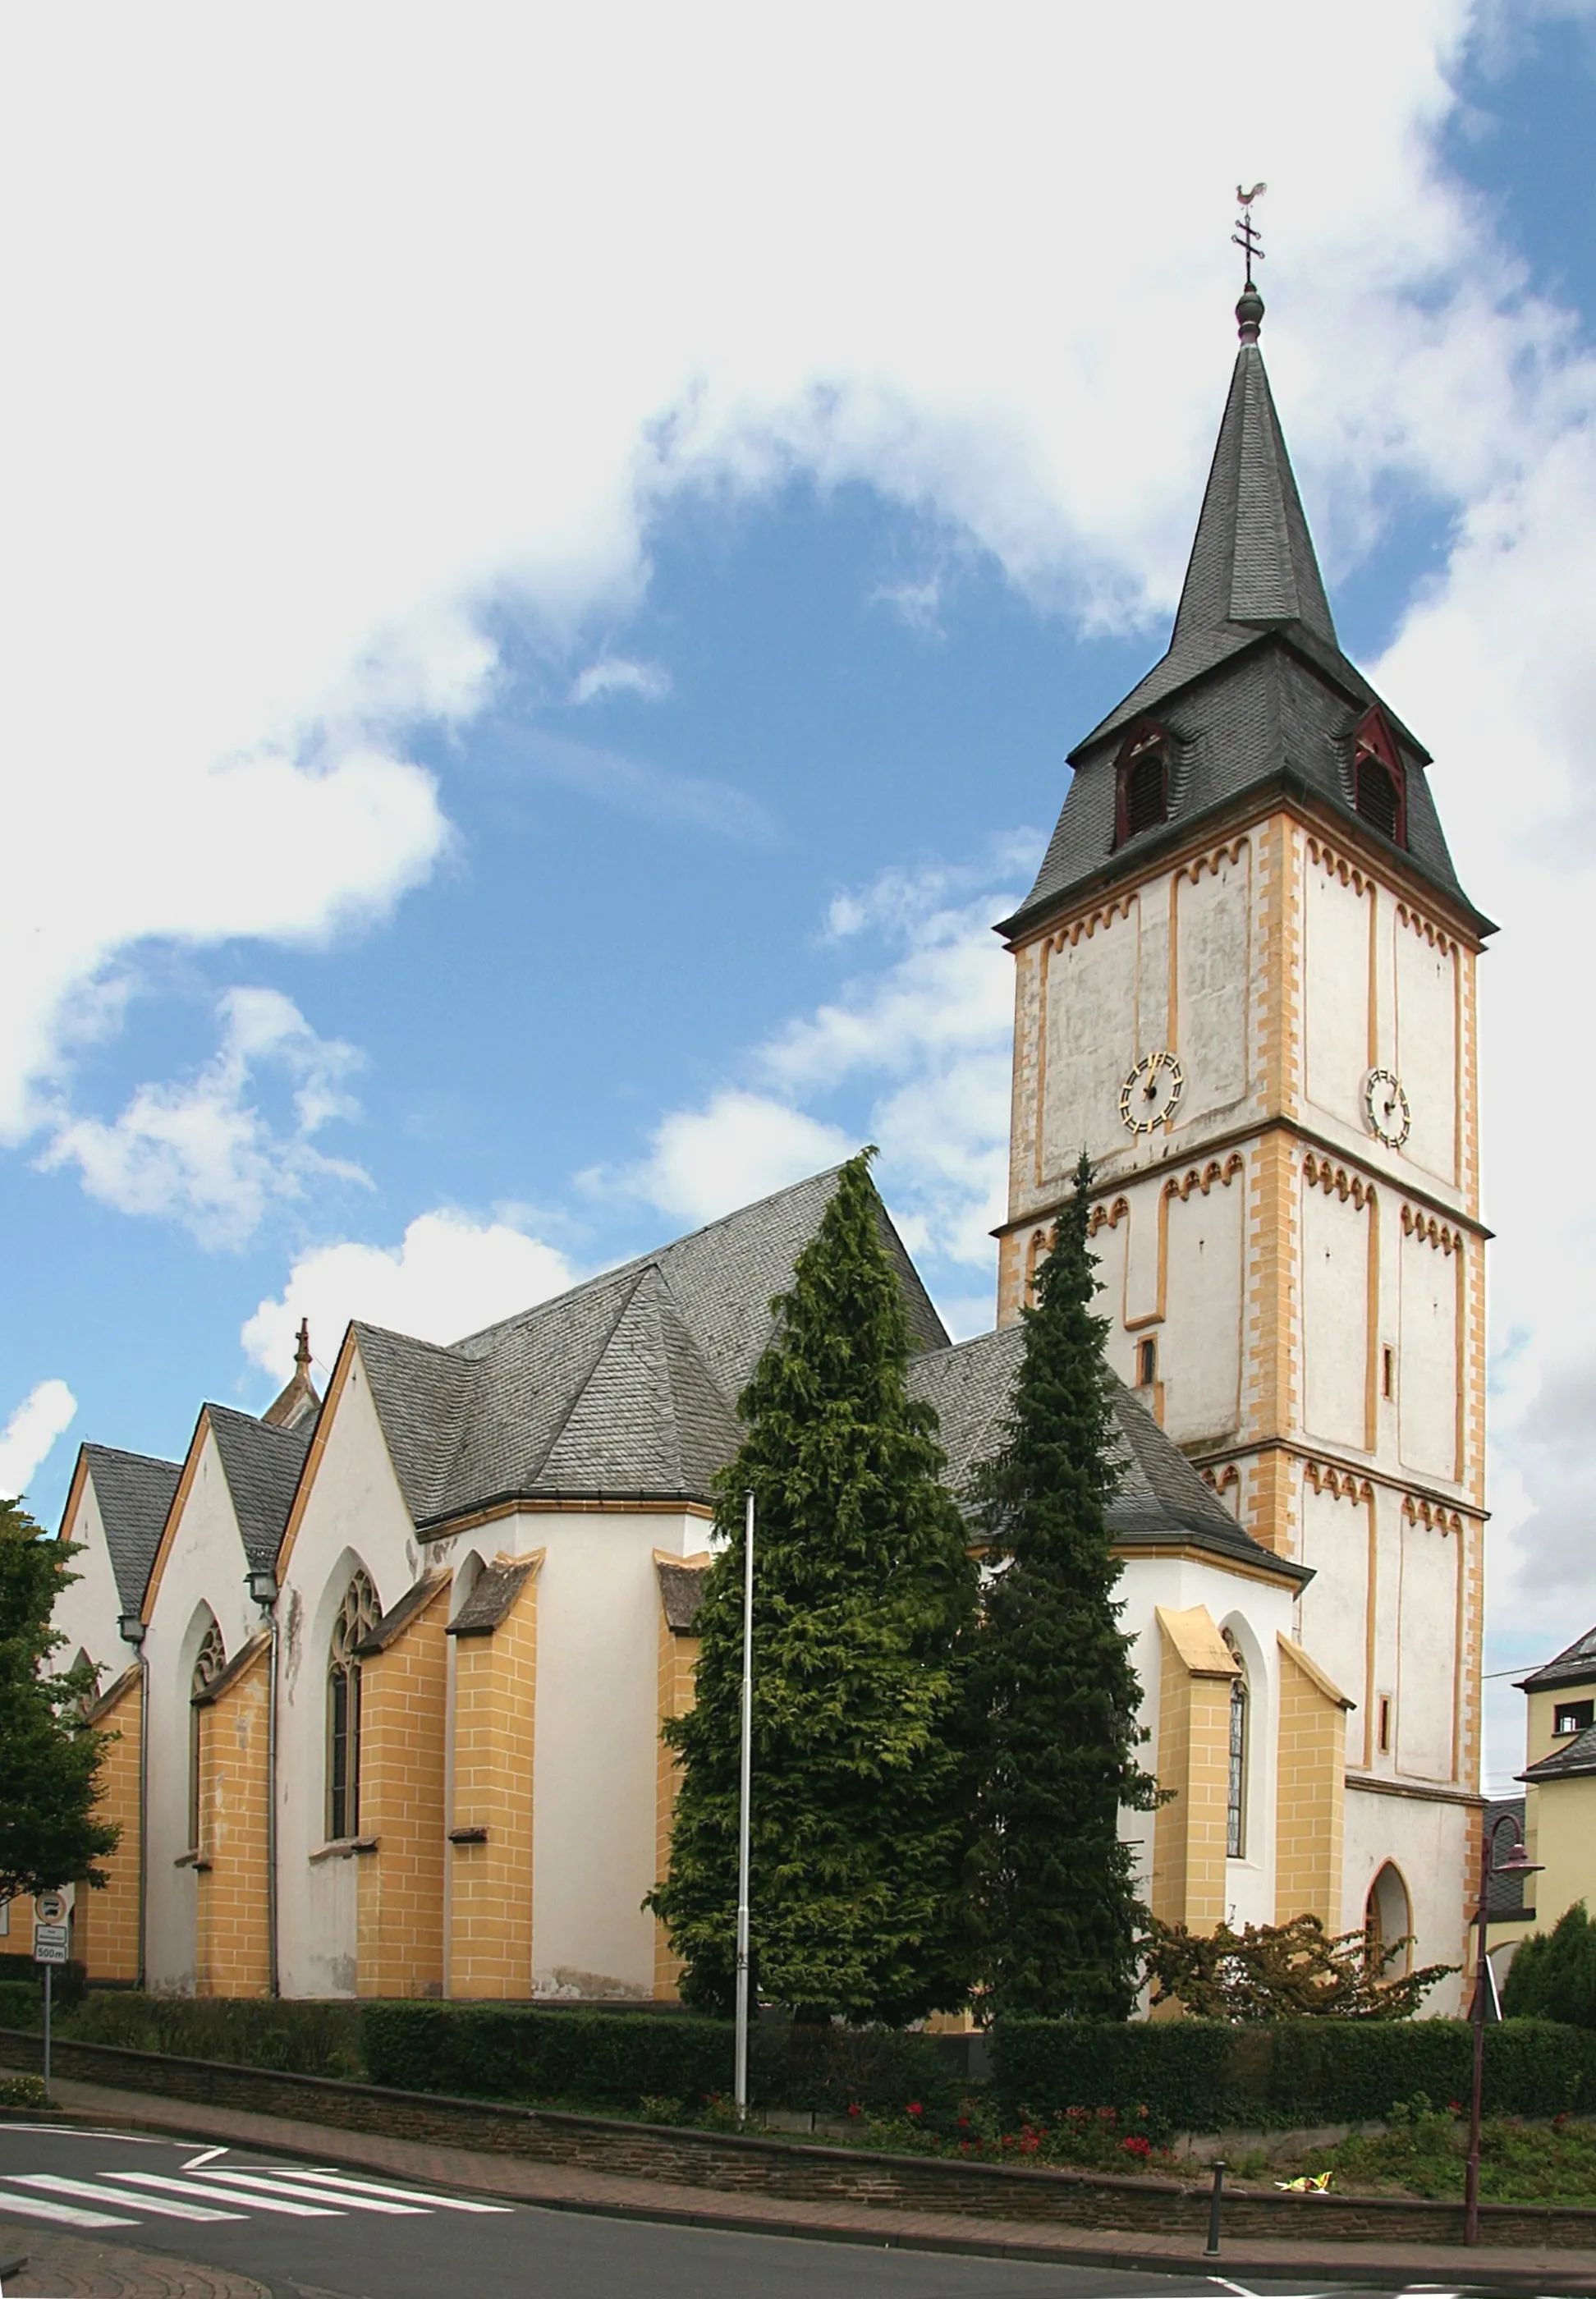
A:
(51, 1934)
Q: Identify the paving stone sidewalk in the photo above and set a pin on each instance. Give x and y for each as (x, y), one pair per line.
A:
(567, 2187)
(68, 2267)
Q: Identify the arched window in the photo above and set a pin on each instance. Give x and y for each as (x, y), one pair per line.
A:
(208, 1665)
(1379, 780)
(1141, 784)
(356, 1616)
(1236, 1797)
(1388, 1923)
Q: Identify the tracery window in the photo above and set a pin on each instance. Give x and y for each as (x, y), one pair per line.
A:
(1141, 784)
(356, 1617)
(1235, 1802)
(208, 1665)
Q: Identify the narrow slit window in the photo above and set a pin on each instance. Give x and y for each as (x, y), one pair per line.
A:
(356, 1617)
(208, 1665)
(1388, 1372)
(1235, 1802)
(1384, 1724)
(1147, 1364)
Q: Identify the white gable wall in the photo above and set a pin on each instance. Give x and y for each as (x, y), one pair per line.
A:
(87, 1614)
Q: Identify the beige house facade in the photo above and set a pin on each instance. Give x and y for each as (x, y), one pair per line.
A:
(390, 1665)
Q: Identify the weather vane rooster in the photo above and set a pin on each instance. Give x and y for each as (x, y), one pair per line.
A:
(1245, 237)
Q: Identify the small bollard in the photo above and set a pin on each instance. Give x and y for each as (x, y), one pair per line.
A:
(1212, 2248)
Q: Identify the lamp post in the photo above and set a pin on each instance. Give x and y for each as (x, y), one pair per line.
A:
(1514, 1865)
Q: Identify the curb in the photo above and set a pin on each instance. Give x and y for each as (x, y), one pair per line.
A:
(1522, 2283)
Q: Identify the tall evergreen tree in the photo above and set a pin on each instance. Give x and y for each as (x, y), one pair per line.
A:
(864, 1606)
(48, 1757)
(1054, 1891)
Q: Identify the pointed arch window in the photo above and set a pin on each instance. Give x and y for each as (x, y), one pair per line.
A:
(356, 1617)
(1380, 779)
(1235, 1799)
(1141, 783)
(208, 1665)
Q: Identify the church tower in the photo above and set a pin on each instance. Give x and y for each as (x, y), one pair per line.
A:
(1245, 986)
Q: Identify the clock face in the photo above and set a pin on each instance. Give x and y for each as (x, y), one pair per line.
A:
(1385, 1106)
(1151, 1094)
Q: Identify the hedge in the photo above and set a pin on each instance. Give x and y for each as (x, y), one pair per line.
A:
(1201, 2075)
(21, 2005)
(301, 2038)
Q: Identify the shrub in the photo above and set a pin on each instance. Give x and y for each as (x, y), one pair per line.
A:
(69, 1985)
(490, 2051)
(21, 2004)
(833, 2069)
(1553, 1974)
(23, 2091)
(306, 2038)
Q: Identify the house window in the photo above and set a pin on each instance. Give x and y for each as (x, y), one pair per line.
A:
(1574, 1716)
(1380, 780)
(208, 1665)
(1141, 785)
(1235, 1802)
(356, 1617)
(1147, 1364)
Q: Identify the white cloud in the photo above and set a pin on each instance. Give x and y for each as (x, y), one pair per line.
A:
(703, 1163)
(616, 675)
(447, 1277)
(32, 1430)
(204, 1152)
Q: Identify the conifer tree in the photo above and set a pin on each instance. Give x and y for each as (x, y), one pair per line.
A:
(864, 1606)
(1055, 1892)
(48, 1757)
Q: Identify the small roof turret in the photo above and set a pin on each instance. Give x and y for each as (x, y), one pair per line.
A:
(299, 1401)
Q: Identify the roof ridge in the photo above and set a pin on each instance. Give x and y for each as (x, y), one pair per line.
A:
(127, 1453)
(580, 1387)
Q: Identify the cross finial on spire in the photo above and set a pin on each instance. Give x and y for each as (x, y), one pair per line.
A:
(1250, 311)
(302, 1355)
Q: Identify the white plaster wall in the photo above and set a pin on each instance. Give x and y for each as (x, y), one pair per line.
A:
(1426, 1666)
(1258, 1614)
(1335, 1605)
(1138, 1298)
(1199, 1358)
(1336, 934)
(355, 1515)
(1334, 1316)
(205, 1567)
(1214, 918)
(593, 1813)
(1427, 1401)
(1091, 1023)
(87, 1614)
(1425, 1840)
(1426, 1046)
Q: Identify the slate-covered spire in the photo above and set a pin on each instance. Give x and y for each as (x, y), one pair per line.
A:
(1252, 561)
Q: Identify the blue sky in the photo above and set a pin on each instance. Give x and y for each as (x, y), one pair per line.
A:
(535, 673)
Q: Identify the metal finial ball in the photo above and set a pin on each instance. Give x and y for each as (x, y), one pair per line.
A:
(1248, 313)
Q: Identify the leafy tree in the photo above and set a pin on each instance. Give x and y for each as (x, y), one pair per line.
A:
(1283, 1972)
(865, 1600)
(1054, 1885)
(48, 1756)
(1553, 1974)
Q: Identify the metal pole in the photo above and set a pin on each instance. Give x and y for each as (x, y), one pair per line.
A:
(49, 1973)
(745, 1788)
(1210, 2250)
(1471, 2177)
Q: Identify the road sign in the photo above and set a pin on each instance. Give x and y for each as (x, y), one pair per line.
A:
(50, 1943)
(49, 1907)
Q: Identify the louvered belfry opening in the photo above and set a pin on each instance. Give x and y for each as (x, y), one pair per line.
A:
(1378, 799)
(1144, 791)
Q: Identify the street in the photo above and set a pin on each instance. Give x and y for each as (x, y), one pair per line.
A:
(348, 2234)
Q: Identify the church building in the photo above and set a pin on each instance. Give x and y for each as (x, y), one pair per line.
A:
(388, 1667)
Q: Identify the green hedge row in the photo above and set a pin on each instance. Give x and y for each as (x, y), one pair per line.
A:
(1201, 2075)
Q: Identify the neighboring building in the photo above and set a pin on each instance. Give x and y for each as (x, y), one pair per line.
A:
(1557, 1810)
(402, 1655)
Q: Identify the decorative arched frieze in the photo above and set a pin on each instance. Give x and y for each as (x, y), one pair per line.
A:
(1434, 1515)
(1221, 1481)
(1324, 1173)
(1194, 868)
(1341, 1484)
(1339, 866)
(1067, 937)
(1203, 1177)
(1426, 929)
(1108, 1217)
(1425, 1226)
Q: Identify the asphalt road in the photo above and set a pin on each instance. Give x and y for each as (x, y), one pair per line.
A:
(327, 2232)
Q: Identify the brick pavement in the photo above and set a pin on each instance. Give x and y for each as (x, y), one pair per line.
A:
(562, 2187)
(70, 2267)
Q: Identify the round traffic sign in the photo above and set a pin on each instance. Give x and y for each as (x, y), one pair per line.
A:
(49, 1907)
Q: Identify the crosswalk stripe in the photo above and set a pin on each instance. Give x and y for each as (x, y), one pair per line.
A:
(167, 2206)
(35, 2207)
(259, 2181)
(208, 2194)
(340, 2184)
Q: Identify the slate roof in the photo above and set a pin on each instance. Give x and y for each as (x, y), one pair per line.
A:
(1575, 1756)
(495, 1590)
(1575, 1664)
(1253, 690)
(415, 1599)
(1160, 1496)
(623, 1387)
(135, 1492)
(262, 1465)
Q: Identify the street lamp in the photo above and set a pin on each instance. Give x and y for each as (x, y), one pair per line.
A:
(1514, 1865)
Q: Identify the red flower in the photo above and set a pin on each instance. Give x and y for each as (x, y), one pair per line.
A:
(1454, 2107)
(854, 2108)
(914, 2108)
(1136, 2146)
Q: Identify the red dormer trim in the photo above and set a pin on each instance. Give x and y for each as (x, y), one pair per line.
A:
(1141, 781)
(1379, 776)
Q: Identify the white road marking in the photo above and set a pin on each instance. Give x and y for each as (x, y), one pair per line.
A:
(198, 2193)
(85, 2131)
(208, 2155)
(35, 2207)
(260, 2180)
(94, 2193)
(341, 2184)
